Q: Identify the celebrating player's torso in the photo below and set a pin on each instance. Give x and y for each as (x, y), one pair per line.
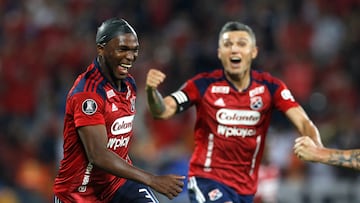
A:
(231, 126)
(93, 101)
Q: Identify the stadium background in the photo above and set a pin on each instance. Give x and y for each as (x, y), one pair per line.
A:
(313, 45)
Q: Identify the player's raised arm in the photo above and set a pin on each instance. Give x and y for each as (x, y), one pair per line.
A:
(303, 124)
(159, 107)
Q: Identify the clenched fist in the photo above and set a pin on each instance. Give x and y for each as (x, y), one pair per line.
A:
(154, 78)
(306, 149)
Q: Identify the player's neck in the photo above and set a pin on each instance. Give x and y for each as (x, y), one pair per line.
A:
(118, 84)
(106, 71)
(240, 81)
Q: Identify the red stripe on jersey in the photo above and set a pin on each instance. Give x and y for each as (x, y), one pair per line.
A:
(97, 80)
(90, 82)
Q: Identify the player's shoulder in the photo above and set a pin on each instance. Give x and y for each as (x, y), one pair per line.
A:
(90, 81)
(205, 79)
(211, 73)
(264, 76)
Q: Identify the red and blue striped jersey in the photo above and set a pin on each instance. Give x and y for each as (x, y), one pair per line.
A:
(231, 125)
(93, 100)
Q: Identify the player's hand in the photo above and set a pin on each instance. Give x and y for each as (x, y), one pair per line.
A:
(168, 185)
(306, 149)
(154, 78)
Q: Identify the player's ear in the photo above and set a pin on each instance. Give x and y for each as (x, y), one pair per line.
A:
(254, 52)
(100, 49)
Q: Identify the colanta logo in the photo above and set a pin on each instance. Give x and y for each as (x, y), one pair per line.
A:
(237, 117)
(122, 125)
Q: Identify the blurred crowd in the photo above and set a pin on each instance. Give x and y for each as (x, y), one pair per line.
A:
(313, 45)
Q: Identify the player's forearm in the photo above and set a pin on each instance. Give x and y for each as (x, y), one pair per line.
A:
(344, 158)
(117, 166)
(309, 129)
(304, 125)
(155, 102)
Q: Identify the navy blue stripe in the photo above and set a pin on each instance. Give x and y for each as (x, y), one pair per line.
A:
(79, 87)
(100, 89)
(95, 79)
(203, 83)
(270, 85)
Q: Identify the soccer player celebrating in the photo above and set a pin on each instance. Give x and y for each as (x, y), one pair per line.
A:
(98, 127)
(233, 107)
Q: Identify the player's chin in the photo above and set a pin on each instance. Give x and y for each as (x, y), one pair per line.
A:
(121, 72)
(233, 67)
(121, 76)
(235, 71)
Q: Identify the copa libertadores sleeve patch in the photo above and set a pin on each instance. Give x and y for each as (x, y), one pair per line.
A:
(89, 106)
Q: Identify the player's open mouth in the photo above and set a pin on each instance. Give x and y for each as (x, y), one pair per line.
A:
(127, 66)
(235, 59)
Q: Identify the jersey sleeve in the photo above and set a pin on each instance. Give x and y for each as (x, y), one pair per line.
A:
(87, 108)
(283, 99)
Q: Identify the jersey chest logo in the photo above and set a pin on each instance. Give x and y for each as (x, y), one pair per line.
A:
(122, 125)
(220, 102)
(256, 103)
(114, 107)
(237, 117)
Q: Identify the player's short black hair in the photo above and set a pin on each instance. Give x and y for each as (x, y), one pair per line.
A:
(237, 26)
(111, 28)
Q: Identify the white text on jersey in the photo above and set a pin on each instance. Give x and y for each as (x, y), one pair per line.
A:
(86, 178)
(237, 117)
(220, 89)
(256, 91)
(122, 125)
(114, 143)
(234, 131)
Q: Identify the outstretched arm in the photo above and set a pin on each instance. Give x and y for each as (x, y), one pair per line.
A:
(306, 150)
(159, 107)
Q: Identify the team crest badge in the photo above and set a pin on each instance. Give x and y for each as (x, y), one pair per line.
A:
(89, 106)
(215, 194)
(256, 103)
